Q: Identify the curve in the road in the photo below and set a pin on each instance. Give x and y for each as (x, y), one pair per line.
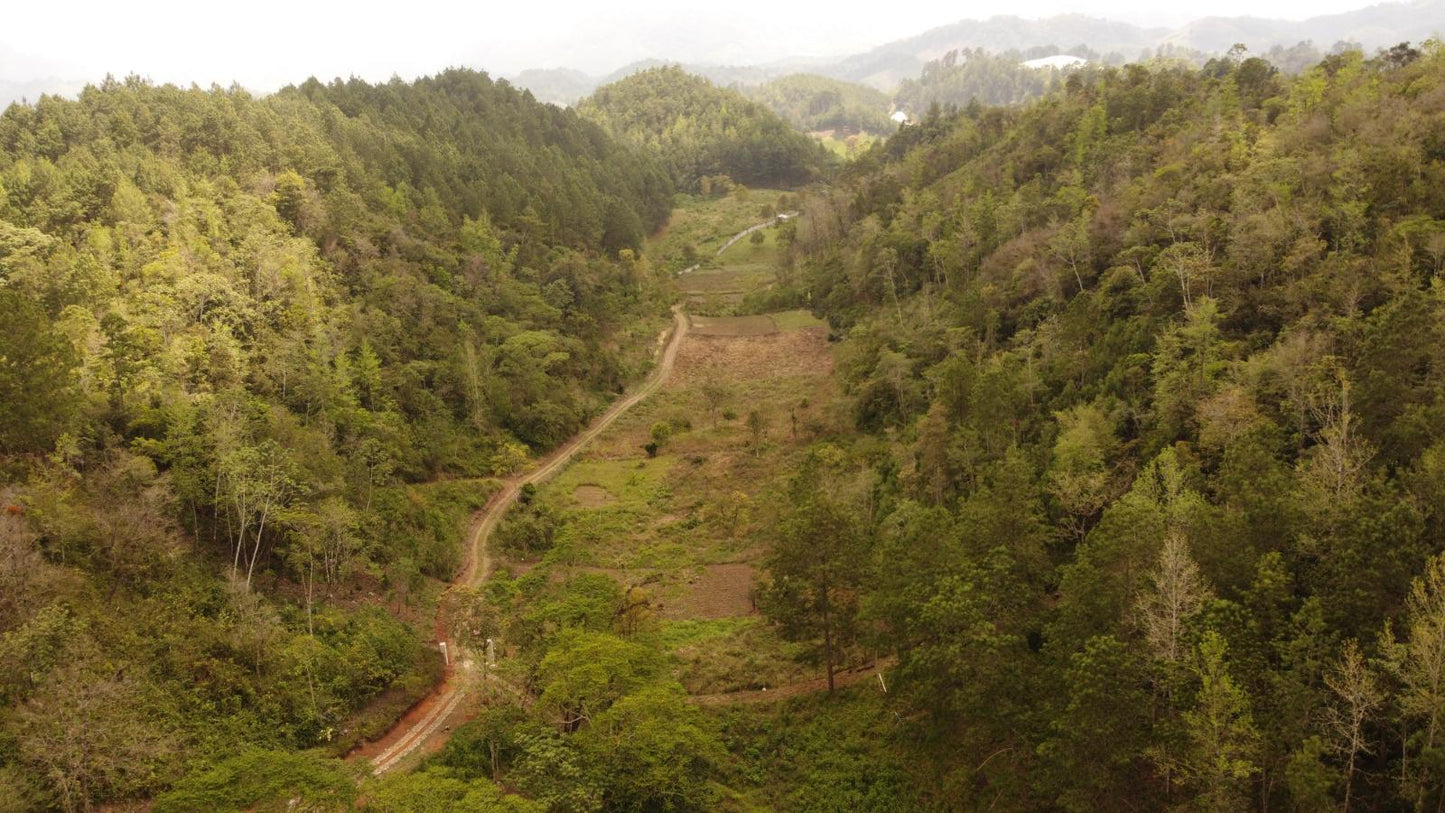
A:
(426, 725)
(430, 716)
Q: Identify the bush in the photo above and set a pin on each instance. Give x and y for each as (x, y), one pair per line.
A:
(257, 779)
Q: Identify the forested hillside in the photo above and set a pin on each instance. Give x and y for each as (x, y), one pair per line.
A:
(810, 102)
(1149, 495)
(236, 332)
(974, 76)
(701, 130)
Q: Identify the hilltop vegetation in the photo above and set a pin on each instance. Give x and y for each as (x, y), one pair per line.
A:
(237, 330)
(811, 103)
(700, 130)
(975, 77)
(1150, 396)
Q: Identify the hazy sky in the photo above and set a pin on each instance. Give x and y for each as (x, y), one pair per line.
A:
(264, 44)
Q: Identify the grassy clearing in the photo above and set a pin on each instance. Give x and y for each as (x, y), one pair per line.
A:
(693, 631)
(746, 252)
(704, 224)
(732, 279)
(745, 271)
(689, 526)
(745, 655)
(692, 524)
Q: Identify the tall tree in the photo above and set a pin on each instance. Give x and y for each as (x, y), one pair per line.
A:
(815, 573)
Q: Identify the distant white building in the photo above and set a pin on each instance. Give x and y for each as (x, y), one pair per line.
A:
(1059, 61)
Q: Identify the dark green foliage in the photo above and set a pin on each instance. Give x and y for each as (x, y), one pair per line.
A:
(813, 754)
(36, 365)
(1156, 362)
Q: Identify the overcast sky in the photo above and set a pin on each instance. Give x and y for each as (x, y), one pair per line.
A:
(264, 44)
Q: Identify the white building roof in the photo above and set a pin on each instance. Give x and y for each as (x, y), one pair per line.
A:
(1056, 61)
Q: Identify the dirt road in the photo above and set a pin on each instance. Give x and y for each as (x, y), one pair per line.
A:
(428, 724)
(740, 235)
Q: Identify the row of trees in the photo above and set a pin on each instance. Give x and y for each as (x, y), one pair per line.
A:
(1147, 500)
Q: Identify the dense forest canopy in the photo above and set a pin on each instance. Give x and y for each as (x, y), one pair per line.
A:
(811, 103)
(701, 130)
(235, 329)
(1155, 364)
(975, 76)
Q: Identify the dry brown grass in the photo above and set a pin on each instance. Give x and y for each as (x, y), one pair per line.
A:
(733, 325)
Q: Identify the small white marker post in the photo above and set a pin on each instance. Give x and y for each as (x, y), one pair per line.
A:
(446, 657)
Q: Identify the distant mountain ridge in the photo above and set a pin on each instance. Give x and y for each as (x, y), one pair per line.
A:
(885, 66)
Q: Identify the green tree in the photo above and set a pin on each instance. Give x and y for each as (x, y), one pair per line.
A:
(36, 377)
(654, 753)
(1222, 740)
(815, 572)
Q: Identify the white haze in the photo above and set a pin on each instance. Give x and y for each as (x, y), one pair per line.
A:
(265, 44)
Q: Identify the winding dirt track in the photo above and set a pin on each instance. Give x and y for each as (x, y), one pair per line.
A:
(426, 726)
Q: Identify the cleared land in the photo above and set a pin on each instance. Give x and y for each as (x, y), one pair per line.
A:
(705, 224)
(691, 525)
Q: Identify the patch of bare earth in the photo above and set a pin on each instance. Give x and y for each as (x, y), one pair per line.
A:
(589, 495)
(737, 357)
(719, 591)
(733, 325)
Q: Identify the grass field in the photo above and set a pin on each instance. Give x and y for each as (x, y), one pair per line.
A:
(746, 267)
(705, 224)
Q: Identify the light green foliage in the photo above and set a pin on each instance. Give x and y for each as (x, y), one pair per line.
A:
(655, 751)
(264, 781)
(1222, 739)
(584, 673)
(438, 790)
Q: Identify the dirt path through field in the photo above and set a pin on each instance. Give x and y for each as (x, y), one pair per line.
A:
(428, 724)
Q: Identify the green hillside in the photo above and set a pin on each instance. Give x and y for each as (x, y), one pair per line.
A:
(238, 331)
(700, 130)
(812, 103)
